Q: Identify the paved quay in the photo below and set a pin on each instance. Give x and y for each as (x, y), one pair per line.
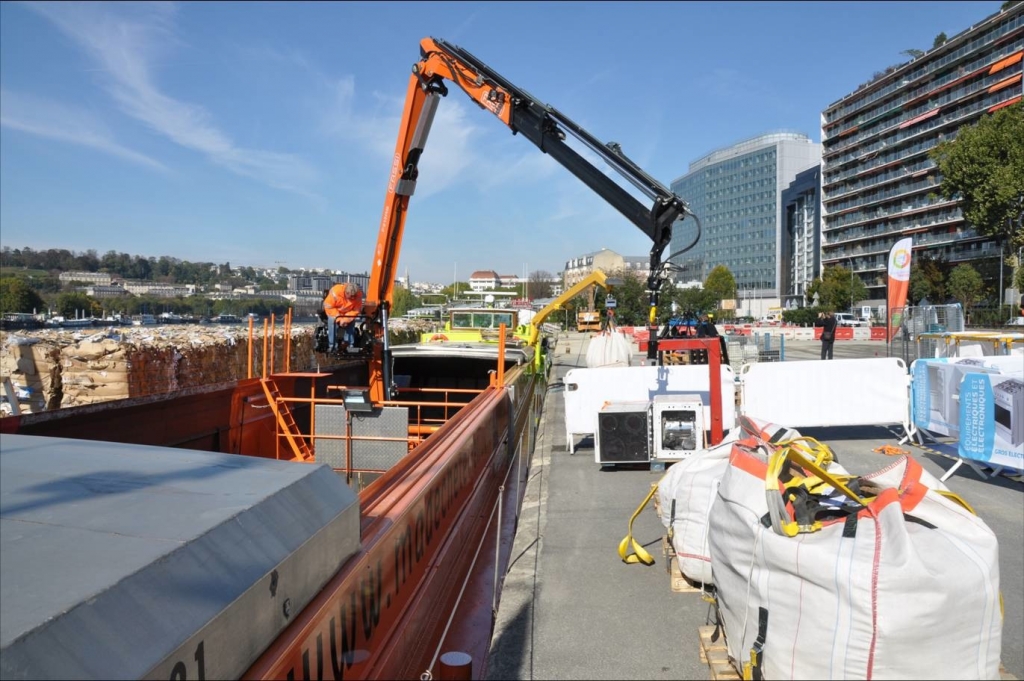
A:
(571, 609)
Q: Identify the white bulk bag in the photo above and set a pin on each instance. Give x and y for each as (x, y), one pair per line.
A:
(685, 496)
(687, 492)
(906, 585)
(609, 349)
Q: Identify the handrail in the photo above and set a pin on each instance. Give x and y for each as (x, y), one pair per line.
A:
(419, 427)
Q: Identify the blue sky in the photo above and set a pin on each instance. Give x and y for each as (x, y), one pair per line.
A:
(262, 133)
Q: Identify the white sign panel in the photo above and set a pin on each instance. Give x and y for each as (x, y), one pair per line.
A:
(841, 392)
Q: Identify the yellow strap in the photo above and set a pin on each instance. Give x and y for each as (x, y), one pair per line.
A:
(639, 554)
(821, 452)
(953, 496)
(812, 466)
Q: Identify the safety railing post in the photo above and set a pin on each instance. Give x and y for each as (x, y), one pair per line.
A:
(288, 342)
(273, 342)
(249, 365)
(501, 356)
(265, 325)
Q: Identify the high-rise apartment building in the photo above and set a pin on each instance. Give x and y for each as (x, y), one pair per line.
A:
(736, 194)
(878, 184)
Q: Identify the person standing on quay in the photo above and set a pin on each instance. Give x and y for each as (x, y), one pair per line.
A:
(827, 322)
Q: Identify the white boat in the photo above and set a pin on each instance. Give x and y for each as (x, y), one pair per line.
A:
(66, 323)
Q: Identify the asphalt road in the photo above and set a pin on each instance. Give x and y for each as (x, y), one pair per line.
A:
(571, 609)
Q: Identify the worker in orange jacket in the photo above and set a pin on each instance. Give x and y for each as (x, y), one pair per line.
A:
(343, 304)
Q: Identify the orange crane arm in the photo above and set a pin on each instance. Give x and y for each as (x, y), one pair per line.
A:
(544, 126)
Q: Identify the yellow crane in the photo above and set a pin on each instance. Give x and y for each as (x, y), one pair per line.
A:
(531, 332)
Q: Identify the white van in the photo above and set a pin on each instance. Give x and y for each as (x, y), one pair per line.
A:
(847, 319)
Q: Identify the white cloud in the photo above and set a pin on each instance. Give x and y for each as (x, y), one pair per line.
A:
(463, 146)
(125, 40)
(57, 122)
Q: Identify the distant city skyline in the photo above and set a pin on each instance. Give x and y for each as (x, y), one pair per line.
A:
(274, 267)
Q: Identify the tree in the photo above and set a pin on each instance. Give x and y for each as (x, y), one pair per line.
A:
(913, 54)
(983, 169)
(920, 287)
(18, 296)
(940, 39)
(837, 289)
(456, 289)
(403, 300)
(71, 304)
(540, 285)
(631, 298)
(720, 283)
(1009, 4)
(966, 286)
(927, 280)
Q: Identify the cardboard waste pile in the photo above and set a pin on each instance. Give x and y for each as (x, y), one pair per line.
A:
(50, 369)
(53, 368)
(33, 366)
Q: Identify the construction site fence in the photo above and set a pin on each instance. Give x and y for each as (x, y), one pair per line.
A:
(917, 327)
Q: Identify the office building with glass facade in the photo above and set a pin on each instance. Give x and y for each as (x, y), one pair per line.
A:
(801, 237)
(878, 184)
(736, 194)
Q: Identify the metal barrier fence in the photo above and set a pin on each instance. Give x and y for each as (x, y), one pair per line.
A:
(970, 344)
(929, 321)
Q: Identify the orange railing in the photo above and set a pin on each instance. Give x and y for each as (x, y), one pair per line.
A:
(270, 344)
(421, 425)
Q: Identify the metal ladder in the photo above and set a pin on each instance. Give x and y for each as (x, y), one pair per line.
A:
(285, 421)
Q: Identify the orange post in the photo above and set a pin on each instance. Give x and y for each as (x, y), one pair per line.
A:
(265, 347)
(273, 342)
(249, 369)
(288, 341)
(501, 356)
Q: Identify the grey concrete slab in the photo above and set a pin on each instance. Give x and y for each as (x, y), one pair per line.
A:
(571, 609)
(115, 558)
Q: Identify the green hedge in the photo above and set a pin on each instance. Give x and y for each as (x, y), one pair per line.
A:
(804, 316)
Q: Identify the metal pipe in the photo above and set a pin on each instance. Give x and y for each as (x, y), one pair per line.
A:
(249, 364)
(264, 347)
(288, 342)
(501, 355)
(273, 342)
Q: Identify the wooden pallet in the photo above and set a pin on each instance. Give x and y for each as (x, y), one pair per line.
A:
(677, 581)
(676, 357)
(715, 654)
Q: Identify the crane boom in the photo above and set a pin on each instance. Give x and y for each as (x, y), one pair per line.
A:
(546, 127)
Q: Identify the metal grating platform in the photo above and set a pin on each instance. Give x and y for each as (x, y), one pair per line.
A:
(386, 422)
